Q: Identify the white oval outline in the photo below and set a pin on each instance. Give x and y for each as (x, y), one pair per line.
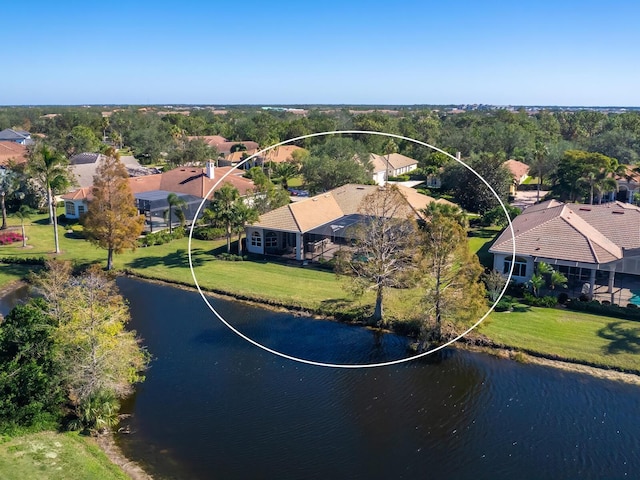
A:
(348, 365)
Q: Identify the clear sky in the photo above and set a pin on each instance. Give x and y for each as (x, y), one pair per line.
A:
(527, 52)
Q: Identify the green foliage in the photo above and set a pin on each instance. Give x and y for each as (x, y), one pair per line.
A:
(597, 308)
(30, 373)
(494, 282)
(548, 301)
(496, 216)
(162, 237)
(97, 413)
(208, 233)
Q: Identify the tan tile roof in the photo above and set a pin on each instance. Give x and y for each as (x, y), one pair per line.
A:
(281, 153)
(557, 231)
(209, 139)
(396, 161)
(618, 221)
(236, 157)
(12, 151)
(518, 169)
(313, 212)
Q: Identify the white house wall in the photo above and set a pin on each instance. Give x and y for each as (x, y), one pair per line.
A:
(251, 246)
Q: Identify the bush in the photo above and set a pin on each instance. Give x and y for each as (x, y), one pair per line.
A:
(547, 302)
(563, 298)
(503, 306)
(9, 237)
(230, 257)
(597, 308)
(208, 233)
(632, 305)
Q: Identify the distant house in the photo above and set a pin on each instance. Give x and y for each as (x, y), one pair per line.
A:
(392, 165)
(151, 191)
(222, 145)
(628, 185)
(519, 173)
(85, 165)
(12, 151)
(302, 229)
(17, 136)
(579, 240)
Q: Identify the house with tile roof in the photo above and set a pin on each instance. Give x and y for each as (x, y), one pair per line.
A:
(17, 136)
(578, 240)
(519, 173)
(628, 184)
(222, 145)
(311, 226)
(392, 165)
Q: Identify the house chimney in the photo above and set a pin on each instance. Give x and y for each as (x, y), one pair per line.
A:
(210, 169)
(458, 155)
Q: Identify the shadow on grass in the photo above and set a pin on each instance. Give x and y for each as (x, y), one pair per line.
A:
(484, 233)
(177, 259)
(344, 309)
(19, 270)
(484, 257)
(622, 338)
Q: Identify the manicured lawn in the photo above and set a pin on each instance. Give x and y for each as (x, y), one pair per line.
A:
(52, 456)
(480, 240)
(571, 335)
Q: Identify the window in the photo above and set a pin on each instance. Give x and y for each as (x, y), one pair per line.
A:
(80, 210)
(519, 268)
(256, 239)
(69, 209)
(271, 240)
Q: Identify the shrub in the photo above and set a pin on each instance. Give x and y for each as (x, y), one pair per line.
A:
(563, 298)
(548, 302)
(9, 237)
(632, 305)
(503, 306)
(230, 257)
(208, 233)
(597, 308)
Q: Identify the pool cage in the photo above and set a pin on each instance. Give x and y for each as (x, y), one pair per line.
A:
(154, 206)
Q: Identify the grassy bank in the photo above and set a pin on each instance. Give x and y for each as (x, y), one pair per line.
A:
(51, 456)
(590, 339)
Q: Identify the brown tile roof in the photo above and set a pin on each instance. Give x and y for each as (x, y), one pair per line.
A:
(12, 151)
(396, 161)
(209, 139)
(222, 144)
(236, 157)
(518, 169)
(630, 174)
(83, 193)
(575, 233)
(313, 212)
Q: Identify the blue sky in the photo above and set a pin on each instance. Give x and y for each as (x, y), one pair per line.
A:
(283, 52)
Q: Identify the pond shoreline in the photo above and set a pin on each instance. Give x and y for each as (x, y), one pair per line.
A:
(472, 342)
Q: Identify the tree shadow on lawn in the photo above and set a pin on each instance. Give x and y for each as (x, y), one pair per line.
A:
(623, 339)
(484, 233)
(344, 309)
(177, 259)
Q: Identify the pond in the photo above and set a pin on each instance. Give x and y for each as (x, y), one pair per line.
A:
(215, 407)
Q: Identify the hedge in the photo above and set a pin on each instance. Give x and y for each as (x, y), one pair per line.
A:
(626, 313)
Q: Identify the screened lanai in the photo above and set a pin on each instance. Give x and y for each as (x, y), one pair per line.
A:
(154, 206)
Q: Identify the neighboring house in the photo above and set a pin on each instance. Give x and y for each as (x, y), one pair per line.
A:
(222, 145)
(628, 185)
(392, 165)
(281, 154)
(17, 136)
(578, 240)
(151, 191)
(303, 228)
(85, 165)
(519, 173)
(12, 151)
(76, 202)
(233, 159)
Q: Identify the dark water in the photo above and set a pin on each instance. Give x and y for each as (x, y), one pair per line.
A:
(13, 298)
(215, 407)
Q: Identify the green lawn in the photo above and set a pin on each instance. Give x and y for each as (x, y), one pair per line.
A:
(582, 337)
(52, 456)
(480, 240)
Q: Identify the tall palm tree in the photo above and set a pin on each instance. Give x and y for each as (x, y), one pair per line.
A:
(222, 209)
(285, 171)
(174, 201)
(23, 213)
(244, 214)
(8, 184)
(50, 169)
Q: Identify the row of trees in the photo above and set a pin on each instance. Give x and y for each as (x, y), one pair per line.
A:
(393, 250)
(67, 352)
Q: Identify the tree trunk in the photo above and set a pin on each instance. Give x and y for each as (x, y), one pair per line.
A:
(24, 237)
(170, 222)
(54, 217)
(240, 244)
(538, 187)
(378, 312)
(4, 211)
(228, 239)
(109, 259)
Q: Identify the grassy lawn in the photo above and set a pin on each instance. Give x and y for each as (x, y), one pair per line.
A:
(51, 456)
(571, 335)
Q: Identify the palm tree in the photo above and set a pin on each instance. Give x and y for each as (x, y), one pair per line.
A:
(8, 184)
(244, 214)
(23, 214)
(222, 209)
(540, 164)
(286, 171)
(536, 282)
(50, 169)
(174, 201)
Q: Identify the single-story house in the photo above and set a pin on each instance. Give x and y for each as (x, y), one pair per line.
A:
(17, 136)
(519, 173)
(85, 165)
(578, 240)
(222, 145)
(304, 227)
(392, 165)
(151, 191)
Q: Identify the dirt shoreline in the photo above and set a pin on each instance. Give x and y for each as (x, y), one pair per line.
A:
(107, 444)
